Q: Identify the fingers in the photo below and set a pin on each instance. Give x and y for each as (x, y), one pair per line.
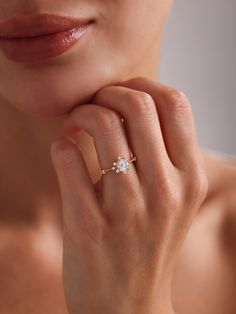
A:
(158, 127)
(142, 127)
(105, 126)
(176, 120)
(77, 190)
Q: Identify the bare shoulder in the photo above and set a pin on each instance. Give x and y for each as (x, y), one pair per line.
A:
(205, 277)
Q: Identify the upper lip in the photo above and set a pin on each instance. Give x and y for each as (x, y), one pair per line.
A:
(24, 26)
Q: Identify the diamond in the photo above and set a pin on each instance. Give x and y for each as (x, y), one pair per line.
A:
(122, 164)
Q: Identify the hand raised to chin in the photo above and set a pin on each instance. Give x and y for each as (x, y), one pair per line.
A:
(120, 245)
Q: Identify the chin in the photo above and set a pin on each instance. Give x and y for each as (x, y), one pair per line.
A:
(55, 100)
(56, 91)
(55, 87)
(58, 94)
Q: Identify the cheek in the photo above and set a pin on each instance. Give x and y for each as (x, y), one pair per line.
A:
(136, 27)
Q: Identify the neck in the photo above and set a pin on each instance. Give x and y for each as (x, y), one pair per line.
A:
(27, 178)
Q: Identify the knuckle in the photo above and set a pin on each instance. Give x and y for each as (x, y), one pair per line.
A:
(169, 194)
(107, 122)
(141, 102)
(125, 219)
(198, 185)
(202, 186)
(127, 203)
(93, 228)
(133, 192)
(178, 101)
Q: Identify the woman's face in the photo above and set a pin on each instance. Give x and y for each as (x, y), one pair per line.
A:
(122, 42)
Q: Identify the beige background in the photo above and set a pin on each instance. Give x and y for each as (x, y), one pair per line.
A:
(199, 57)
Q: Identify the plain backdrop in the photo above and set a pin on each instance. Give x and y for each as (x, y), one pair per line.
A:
(199, 57)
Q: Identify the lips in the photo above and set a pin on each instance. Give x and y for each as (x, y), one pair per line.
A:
(39, 37)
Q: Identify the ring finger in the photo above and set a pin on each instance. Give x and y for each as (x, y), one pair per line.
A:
(106, 128)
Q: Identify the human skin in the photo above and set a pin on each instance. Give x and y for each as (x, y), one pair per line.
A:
(127, 232)
(104, 55)
(89, 94)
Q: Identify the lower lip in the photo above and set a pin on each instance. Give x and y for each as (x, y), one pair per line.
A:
(41, 48)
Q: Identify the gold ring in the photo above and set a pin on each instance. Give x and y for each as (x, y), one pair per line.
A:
(122, 165)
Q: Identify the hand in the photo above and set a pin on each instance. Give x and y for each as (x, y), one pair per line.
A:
(121, 237)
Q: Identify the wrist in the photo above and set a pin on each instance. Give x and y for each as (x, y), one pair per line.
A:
(142, 301)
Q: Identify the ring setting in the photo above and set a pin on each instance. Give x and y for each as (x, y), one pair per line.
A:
(122, 165)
